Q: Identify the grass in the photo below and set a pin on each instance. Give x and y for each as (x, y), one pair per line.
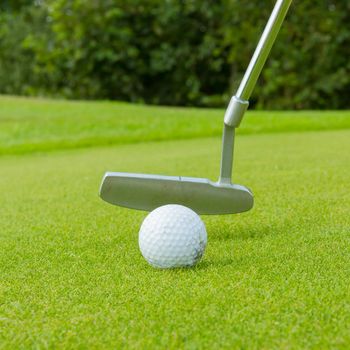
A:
(30, 125)
(71, 275)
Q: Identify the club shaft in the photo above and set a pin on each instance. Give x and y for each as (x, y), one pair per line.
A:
(227, 154)
(248, 83)
(263, 49)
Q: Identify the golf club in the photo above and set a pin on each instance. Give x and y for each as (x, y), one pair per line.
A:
(147, 192)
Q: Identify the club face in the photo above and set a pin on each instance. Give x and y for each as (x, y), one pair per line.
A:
(147, 192)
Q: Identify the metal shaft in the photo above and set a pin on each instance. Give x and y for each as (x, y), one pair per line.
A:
(263, 49)
(248, 83)
(228, 144)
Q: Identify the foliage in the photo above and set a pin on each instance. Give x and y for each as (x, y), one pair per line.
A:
(18, 60)
(310, 65)
(174, 52)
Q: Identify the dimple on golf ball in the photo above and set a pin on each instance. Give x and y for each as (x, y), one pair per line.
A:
(172, 236)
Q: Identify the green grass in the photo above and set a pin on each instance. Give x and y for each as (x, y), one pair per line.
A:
(28, 125)
(71, 275)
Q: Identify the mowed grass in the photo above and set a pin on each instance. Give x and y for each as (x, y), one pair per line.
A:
(36, 125)
(278, 277)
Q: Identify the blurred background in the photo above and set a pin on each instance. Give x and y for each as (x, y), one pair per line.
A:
(174, 52)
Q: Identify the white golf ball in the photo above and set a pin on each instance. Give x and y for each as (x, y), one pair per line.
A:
(172, 236)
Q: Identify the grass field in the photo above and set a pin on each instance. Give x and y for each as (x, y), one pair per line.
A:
(71, 275)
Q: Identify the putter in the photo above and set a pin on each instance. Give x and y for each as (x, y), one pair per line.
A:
(147, 192)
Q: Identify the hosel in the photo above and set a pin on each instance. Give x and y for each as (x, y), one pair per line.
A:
(233, 117)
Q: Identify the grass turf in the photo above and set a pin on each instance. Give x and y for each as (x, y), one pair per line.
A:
(71, 275)
(31, 125)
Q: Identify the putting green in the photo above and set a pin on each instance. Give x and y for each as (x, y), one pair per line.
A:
(71, 275)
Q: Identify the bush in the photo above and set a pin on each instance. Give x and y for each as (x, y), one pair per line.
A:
(18, 61)
(174, 52)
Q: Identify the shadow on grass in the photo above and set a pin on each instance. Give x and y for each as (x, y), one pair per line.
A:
(214, 264)
(202, 265)
(229, 232)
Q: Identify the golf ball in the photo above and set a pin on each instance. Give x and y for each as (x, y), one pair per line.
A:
(172, 236)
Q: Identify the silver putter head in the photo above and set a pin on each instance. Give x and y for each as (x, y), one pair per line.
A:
(147, 192)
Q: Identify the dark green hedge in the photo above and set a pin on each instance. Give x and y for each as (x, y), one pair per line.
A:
(177, 52)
